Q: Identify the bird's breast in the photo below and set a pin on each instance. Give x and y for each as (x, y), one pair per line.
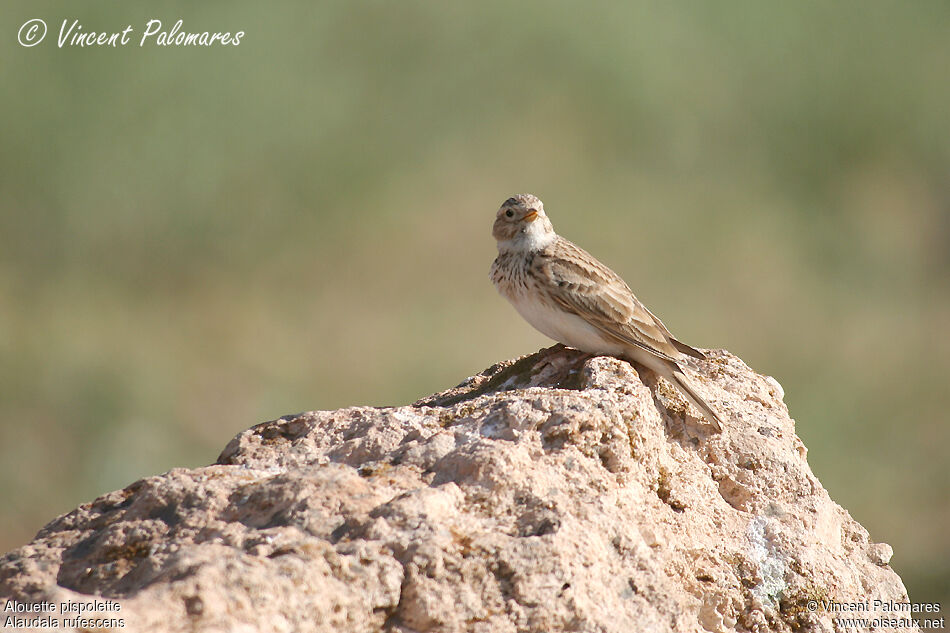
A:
(535, 306)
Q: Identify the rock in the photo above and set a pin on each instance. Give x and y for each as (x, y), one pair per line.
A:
(556, 492)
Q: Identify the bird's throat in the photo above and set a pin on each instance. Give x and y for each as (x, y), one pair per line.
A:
(533, 237)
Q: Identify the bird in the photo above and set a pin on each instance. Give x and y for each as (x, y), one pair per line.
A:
(565, 293)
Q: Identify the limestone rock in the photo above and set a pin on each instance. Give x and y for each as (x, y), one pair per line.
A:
(556, 492)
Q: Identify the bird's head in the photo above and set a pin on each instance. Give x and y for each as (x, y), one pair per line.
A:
(521, 224)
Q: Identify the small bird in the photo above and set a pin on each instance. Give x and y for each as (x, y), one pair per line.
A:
(566, 294)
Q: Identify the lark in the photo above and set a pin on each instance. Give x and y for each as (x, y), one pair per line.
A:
(566, 294)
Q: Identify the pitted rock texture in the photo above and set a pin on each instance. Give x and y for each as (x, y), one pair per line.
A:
(556, 492)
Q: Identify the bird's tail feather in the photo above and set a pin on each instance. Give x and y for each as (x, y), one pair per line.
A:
(679, 380)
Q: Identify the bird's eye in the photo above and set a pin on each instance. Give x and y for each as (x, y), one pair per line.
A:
(509, 213)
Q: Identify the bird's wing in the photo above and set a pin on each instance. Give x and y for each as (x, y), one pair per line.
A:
(688, 350)
(679, 345)
(585, 287)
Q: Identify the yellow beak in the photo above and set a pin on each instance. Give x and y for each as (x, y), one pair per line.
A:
(531, 217)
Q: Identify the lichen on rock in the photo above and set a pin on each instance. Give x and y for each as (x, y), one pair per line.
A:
(555, 492)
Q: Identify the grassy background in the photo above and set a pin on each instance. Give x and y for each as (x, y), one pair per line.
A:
(196, 240)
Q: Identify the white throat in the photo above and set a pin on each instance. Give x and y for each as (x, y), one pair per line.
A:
(533, 237)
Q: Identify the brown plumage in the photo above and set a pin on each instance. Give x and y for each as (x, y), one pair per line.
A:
(565, 293)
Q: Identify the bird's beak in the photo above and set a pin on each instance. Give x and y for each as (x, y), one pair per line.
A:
(531, 217)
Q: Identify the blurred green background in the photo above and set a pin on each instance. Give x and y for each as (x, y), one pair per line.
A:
(196, 240)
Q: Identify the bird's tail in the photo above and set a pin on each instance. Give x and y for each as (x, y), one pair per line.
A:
(679, 380)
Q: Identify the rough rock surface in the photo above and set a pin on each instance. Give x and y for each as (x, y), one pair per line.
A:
(557, 492)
